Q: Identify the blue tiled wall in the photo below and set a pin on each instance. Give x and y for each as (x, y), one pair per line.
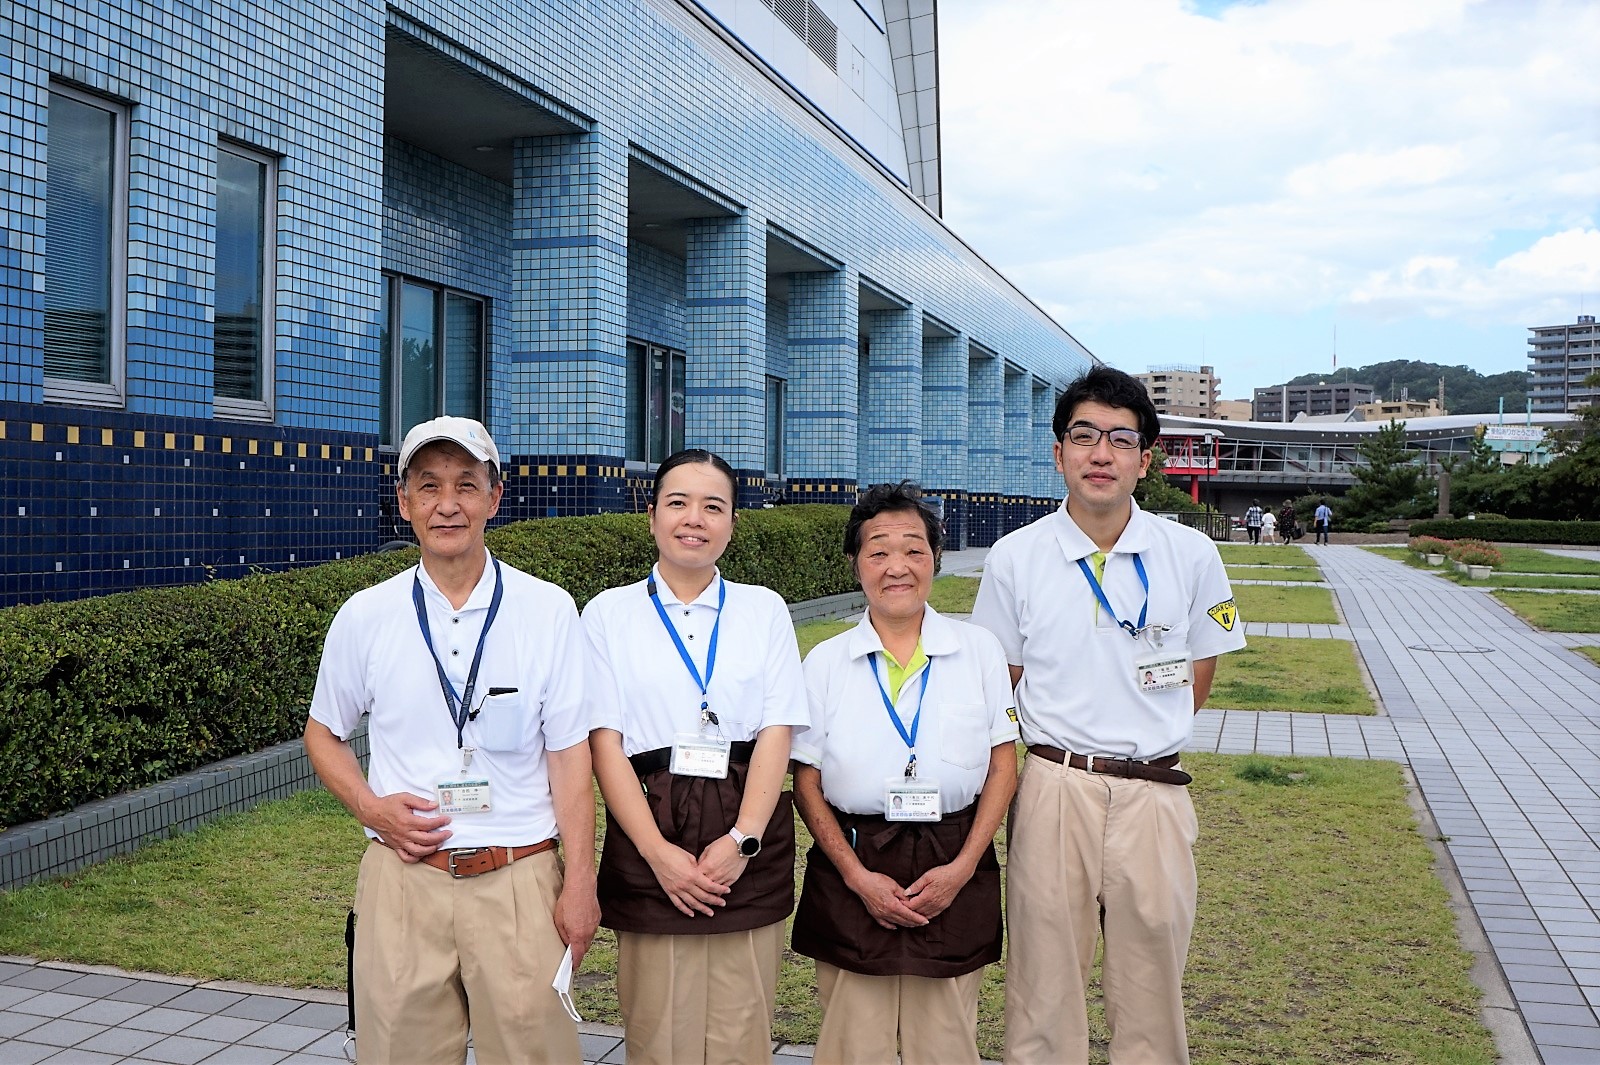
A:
(303, 82)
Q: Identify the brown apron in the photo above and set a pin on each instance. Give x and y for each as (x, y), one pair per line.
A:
(692, 812)
(833, 925)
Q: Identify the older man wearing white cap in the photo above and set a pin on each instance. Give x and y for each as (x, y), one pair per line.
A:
(468, 671)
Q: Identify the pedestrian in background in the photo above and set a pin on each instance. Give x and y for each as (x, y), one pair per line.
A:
(1253, 521)
(1323, 521)
(1269, 528)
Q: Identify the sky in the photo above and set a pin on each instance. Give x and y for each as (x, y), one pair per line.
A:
(1258, 185)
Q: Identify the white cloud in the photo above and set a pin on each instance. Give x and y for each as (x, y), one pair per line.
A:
(1128, 159)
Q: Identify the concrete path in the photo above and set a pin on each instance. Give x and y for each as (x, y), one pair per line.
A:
(1500, 725)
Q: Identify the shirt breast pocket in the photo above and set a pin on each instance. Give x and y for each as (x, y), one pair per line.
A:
(964, 735)
(502, 724)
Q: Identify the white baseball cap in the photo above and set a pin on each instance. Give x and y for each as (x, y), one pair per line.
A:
(465, 432)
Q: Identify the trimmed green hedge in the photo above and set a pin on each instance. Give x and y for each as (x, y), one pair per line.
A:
(102, 695)
(1511, 530)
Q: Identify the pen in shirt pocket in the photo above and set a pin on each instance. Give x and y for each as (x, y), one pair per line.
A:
(492, 693)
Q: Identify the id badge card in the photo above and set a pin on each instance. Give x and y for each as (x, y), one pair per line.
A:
(695, 754)
(1163, 670)
(460, 798)
(911, 800)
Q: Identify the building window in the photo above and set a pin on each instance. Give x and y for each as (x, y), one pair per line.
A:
(246, 265)
(86, 197)
(777, 412)
(655, 401)
(432, 351)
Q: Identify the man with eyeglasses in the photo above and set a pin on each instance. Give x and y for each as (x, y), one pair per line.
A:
(1112, 620)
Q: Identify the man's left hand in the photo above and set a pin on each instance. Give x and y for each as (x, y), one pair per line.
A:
(933, 892)
(577, 916)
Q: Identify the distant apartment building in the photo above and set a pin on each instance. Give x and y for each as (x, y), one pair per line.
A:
(1281, 403)
(1235, 410)
(1384, 410)
(1187, 390)
(1559, 358)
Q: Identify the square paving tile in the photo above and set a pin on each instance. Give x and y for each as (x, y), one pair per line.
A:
(262, 1008)
(11, 995)
(50, 1004)
(329, 1046)
(164, 1020)
(222, 1029)
(79, 1056)
(200, 1000)
(63, 1033)
(283, 1036)
(181, 1050)
(106, 1011)
(245, 1055)
(14, 1024)
(318, 1015)
(122, 1041)
(13, 1052)
(42, 979)
(97, 985)
(149, 992)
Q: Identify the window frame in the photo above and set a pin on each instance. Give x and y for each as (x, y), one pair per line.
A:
(777, 436)
(390, 436)
(257, 409)
(636, 416)
(114, 393)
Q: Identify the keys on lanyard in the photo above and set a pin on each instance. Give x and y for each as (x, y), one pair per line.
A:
(458, 706)
(1100, 593)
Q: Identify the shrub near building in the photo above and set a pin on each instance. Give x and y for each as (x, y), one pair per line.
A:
(102, 695)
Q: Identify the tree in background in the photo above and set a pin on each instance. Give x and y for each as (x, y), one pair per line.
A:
(1155, 492)
(1570, 485)
(1390, 483)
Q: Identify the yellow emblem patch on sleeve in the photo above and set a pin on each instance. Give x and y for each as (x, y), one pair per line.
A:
(1011, 712)
(1224, 614)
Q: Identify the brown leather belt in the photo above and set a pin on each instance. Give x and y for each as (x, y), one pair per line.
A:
(1160, 770)
(475, 861)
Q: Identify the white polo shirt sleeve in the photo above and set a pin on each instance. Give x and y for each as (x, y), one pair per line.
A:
(563, 713)
(342, 695)
(998, 695)
(820, 667)
(996, 605)
(602, 691)
(1214, 624)
(784, 702)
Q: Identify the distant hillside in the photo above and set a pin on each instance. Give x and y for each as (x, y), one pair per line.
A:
(1466, 391)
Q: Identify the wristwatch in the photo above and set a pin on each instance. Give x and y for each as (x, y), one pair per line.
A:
(749, 846)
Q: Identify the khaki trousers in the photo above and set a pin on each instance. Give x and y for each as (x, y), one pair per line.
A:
(699, 1000)
(435, 954)
(936, 1019)
(1091, 853)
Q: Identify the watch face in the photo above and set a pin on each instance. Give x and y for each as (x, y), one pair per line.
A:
(749, 847)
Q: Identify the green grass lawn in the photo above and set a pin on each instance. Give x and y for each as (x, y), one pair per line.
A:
(1278, 673)
(1533, 560)
(1553, 611)
(953, 595)
(1273, 573)
(1322, 934)
(1589, 652)
(1401, 554)
(811, 633)
(1264, 555)
(1496, 579)
(1260, 602)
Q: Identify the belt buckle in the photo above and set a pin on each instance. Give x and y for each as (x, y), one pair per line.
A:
(469, 852)
(1088, 764)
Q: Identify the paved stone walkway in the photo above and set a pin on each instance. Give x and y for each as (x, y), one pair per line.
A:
(1499, 723)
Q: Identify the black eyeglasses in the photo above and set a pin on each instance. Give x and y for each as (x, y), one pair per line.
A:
(1085, 435)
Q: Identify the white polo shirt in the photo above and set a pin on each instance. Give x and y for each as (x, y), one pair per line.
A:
(1078, 689)
(639, 685)
(375, 662)
(968, 711)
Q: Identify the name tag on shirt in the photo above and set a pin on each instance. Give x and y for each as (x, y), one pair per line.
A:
(697, 755)
(911, 800)
(460, 798)
(1160, 672)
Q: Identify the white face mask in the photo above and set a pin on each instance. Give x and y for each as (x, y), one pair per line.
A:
(563, 985)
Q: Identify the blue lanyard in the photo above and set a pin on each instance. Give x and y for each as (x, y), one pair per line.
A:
(1100, 594)
(460, 707)
(683, 652)
(911, 736)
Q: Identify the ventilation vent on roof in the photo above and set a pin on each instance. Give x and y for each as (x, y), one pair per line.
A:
(811, 26)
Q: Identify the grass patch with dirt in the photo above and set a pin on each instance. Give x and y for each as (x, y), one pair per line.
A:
(1279, 673)
(1264, 555)
(953, 595)
(1323, 935)
(1263, 602)
(1273, 573)
(1553, 611)
(1497, 579)
(1592, 653)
